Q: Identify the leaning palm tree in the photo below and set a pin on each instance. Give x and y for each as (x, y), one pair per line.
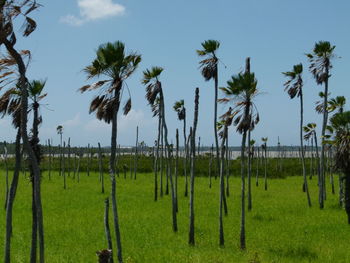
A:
(320, 66)
(294, 87)
(340, 122)
(154, 90)
(179, 107)
(116, 65)
(242, 89)
(209, 68)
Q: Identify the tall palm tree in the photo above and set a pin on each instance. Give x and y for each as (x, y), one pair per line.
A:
(242, 89)
(179, 107)
(35, 94)
(209, 68)
(294, 87)
(320, 66)
(116, 66)
(154, 90)
(341, 124)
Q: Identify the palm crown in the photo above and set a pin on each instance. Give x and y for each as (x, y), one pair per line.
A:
(209, 65)
(112, 62)
(179, 107)
(294, 83)
(242, 89)
(153, 88)
(320, 60)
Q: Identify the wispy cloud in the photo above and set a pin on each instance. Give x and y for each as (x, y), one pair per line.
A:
(91, 10)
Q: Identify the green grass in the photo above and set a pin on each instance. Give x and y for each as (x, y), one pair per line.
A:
(280, 228)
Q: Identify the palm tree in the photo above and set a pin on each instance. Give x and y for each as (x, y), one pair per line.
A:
(179, 107)
(209, 68)
(154, 90)
(35, 94)
(310, 133)
(242, 89)
(341, 124)
(337, 103)
(294, 87)
(113, 63)
(320, 66)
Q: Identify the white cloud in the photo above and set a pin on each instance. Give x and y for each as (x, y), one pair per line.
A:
(91, 10)
(73, 122)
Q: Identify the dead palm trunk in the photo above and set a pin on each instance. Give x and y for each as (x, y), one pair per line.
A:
(211, 163)
(186, 154)
(136, 147)
(265, 162)
(88, 161)
(257, 166)
(176, 167)
(302, 148)
(63, 167)
(68, 167)
(11, 198)
(50, 159)
(7, 174)
(101, 170)
(191, 239)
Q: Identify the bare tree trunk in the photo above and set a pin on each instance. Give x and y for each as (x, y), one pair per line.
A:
(63, 167)
(265, 162)
(101, 169)
(257, 166)
(68, 168)
(249, 174)
(191, 239)
(211, 163)
(222, 190)
(186, 155)
(324, 126)
(242, 232)
(112, 175)
(156, 165)
(107, 229)
(302, 148)
(11, 198)
(136, 147)
(216, 120)
(7, 174)
(50, 159)
(227, 167)
(88, 161)
(176, 167)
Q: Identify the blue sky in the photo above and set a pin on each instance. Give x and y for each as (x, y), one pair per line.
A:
(275, 34)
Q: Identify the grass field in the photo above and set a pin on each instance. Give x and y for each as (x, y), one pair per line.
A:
(280, 228)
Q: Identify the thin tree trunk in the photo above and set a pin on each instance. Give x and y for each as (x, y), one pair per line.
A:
(50, 159)
(324, 126)
(176, 168)
(101, 169)
(7, 174)
(186, 155)
(11, 198)
(265, 161)
(249, 174)
(107, 229)
(112, 175)
(88, 161)
(242, 231)
(215, 120)
(302, 148)
(211, 163)
(68, 168)
(222, 190)
(156, 165)
(191, 239)
(257, 166)
(136, 147)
